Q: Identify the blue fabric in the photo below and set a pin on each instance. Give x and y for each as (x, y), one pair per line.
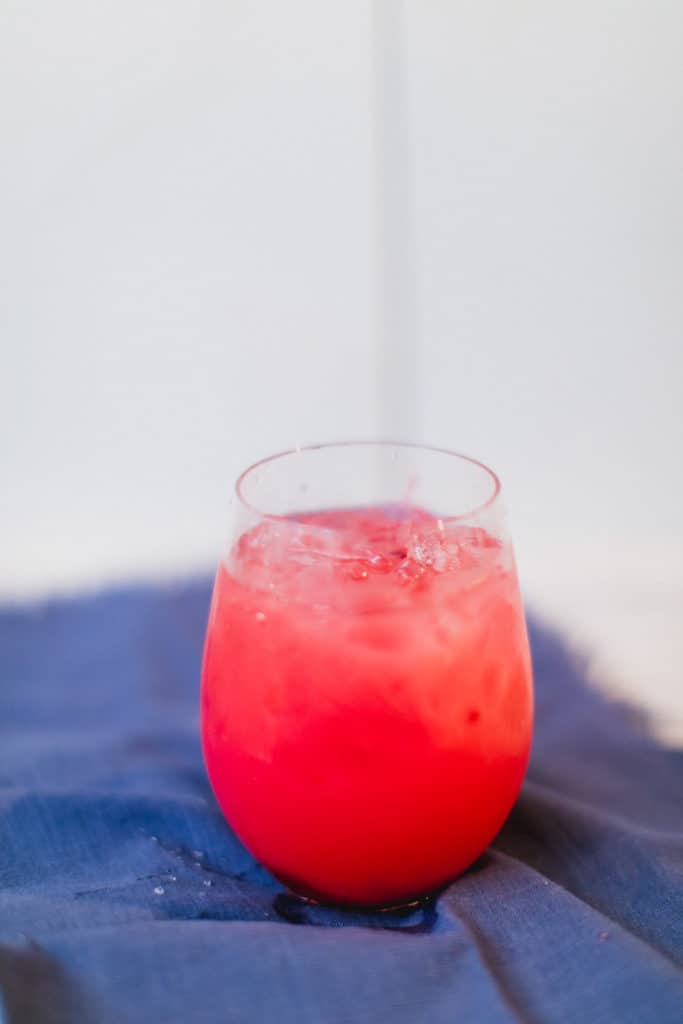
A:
(124, 897)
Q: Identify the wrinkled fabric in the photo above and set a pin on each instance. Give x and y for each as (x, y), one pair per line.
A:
(125, 898)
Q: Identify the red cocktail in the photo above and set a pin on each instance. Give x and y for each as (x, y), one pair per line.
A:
(366, 694)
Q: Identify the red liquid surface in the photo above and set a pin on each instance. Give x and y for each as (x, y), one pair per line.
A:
(366, 699)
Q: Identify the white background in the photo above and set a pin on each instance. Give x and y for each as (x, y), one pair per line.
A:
(225, 226)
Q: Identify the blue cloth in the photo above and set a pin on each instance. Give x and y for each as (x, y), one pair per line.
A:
(125, 898)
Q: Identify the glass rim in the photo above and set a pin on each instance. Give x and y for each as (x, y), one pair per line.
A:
(331, 445)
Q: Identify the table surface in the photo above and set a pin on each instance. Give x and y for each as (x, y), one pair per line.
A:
(124, 896)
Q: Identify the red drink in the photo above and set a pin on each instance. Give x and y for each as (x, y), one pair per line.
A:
(366, 699)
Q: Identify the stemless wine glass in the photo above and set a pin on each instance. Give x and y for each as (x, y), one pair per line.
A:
(366, 693)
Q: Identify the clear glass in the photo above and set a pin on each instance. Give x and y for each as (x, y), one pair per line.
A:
(366, 690)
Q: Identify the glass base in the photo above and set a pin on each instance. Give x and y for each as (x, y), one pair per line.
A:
(417, 914)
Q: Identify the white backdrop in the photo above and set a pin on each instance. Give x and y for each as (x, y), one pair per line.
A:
(205, 207)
